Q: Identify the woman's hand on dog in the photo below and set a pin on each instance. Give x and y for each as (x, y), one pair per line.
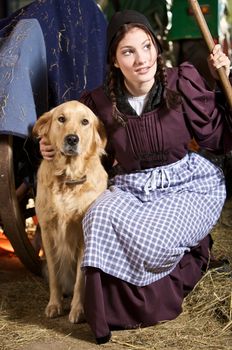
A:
(46, 149)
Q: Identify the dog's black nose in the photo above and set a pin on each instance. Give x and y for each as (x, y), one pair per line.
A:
(71, 139)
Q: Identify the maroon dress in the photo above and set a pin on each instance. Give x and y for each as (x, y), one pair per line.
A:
(158, 138)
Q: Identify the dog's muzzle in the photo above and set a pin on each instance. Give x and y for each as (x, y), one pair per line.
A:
(71, 145)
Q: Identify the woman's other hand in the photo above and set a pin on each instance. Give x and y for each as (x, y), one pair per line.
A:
(46, 149)
(218, 59)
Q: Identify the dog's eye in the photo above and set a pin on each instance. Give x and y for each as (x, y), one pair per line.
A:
(61, 119)
(84, 122)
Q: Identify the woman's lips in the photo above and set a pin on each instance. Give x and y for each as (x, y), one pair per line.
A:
(142, 70)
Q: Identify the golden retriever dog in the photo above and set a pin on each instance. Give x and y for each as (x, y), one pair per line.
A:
(66, 187)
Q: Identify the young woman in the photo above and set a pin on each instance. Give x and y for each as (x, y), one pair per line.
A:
(147, 238)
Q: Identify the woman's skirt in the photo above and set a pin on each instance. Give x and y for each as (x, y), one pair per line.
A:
(146, 242)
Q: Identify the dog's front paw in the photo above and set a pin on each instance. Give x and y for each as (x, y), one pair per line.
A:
(53, 310)
(76, 315)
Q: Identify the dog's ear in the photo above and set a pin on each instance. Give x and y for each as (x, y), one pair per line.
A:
(42, 125)
(100, 138)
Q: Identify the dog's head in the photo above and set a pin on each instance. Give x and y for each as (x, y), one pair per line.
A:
(72, 129)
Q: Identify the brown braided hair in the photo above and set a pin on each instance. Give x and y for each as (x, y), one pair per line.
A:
(114, 75)
(172, 98)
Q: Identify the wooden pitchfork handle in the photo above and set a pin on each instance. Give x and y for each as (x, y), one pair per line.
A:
(210, 43)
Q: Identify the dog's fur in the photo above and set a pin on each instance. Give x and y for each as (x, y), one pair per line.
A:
(66, 187)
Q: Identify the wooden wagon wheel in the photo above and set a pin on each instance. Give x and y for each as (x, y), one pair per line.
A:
(10, 212)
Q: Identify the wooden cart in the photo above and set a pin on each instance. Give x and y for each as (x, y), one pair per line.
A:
(33, 81)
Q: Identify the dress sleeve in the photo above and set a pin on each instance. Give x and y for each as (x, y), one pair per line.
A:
(209, 119)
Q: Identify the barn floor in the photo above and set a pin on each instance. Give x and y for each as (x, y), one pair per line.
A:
(205, 324)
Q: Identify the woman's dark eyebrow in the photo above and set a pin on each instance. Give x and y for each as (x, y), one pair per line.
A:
(129, 46)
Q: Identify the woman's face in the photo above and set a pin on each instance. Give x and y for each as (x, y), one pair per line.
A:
(136, 57)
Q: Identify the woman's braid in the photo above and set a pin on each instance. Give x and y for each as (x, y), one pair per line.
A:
(172, 98)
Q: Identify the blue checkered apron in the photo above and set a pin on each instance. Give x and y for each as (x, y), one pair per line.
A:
(143, 224)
